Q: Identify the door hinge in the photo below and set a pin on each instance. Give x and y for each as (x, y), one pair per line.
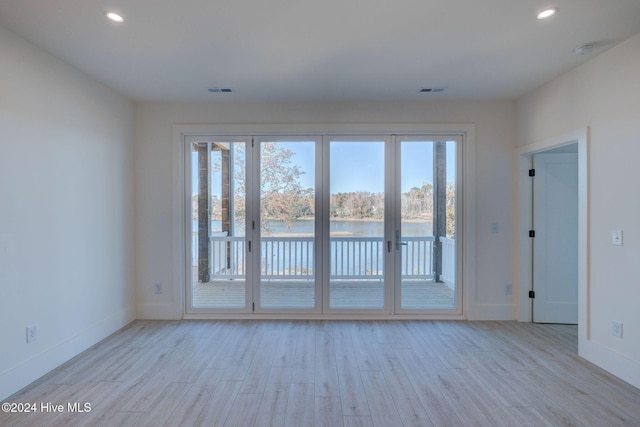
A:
(252, 143)
(532, 294)
(253, 225)
(249, 243)
(532, 233)
(253, 306)
(532, 172)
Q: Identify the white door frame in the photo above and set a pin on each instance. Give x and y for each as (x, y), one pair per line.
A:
(466, 268)
(523, 220)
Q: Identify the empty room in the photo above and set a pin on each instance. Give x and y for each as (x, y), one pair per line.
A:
(336, 213)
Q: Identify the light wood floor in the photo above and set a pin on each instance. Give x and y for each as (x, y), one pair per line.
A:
(333, 373)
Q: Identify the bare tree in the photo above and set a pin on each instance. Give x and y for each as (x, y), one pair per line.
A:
(282, 197)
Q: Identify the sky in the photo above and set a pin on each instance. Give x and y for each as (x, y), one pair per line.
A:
(359, 165)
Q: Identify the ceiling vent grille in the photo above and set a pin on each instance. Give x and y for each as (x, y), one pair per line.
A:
(219, 90)
(431, 90)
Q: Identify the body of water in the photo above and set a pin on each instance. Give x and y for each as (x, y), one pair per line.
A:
(345, 228)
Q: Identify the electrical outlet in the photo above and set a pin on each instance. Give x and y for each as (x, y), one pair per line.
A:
(32, 333)
(507, 289)
(616, 329)
(157, 288)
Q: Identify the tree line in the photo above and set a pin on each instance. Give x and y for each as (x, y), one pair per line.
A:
(282, 198)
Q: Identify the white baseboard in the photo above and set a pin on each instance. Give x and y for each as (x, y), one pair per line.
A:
(491, 312)
(158, 312)
(15, 379)
(333, 316)
(622, 367)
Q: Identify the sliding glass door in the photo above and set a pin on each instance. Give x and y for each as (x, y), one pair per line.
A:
(323, 224)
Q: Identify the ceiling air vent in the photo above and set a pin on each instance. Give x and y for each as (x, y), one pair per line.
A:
(431, 90)
(219, 89)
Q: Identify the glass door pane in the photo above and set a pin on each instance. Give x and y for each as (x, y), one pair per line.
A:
(426, 239)
(218, 273)
(287, 225)
(356, 224)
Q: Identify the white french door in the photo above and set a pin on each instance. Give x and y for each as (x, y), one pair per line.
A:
(356, 224)
(426, 225)
(285, 224)
(357, 253)
(218, 224)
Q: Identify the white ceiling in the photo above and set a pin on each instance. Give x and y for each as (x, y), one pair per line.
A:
(303, 50)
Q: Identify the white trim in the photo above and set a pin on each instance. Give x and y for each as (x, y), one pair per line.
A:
(317, 316)
(522, 221)
(466, 253)
(165, 311)
(492, 312)
(466, 263)
(611, 361)
(177, 307)
(18, 377)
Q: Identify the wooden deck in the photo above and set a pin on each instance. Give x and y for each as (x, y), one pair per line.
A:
(343, 295)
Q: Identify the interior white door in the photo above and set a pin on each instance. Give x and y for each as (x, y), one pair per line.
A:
(555, 246)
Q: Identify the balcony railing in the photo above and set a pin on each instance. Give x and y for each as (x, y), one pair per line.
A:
(351, 257)
(448, 260)
(357, 257)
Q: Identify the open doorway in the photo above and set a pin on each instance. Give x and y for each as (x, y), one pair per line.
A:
(573, 144)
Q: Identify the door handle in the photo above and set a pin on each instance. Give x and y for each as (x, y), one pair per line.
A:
(399, 242)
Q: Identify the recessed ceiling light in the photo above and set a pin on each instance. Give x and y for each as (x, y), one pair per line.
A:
(114, 17)
(547, 13)
(584, 49)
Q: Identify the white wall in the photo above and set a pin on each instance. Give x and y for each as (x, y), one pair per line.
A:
(494, 140)
(66, 212)
(603, 94)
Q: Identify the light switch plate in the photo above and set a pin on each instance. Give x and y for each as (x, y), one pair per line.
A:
(616, 237)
